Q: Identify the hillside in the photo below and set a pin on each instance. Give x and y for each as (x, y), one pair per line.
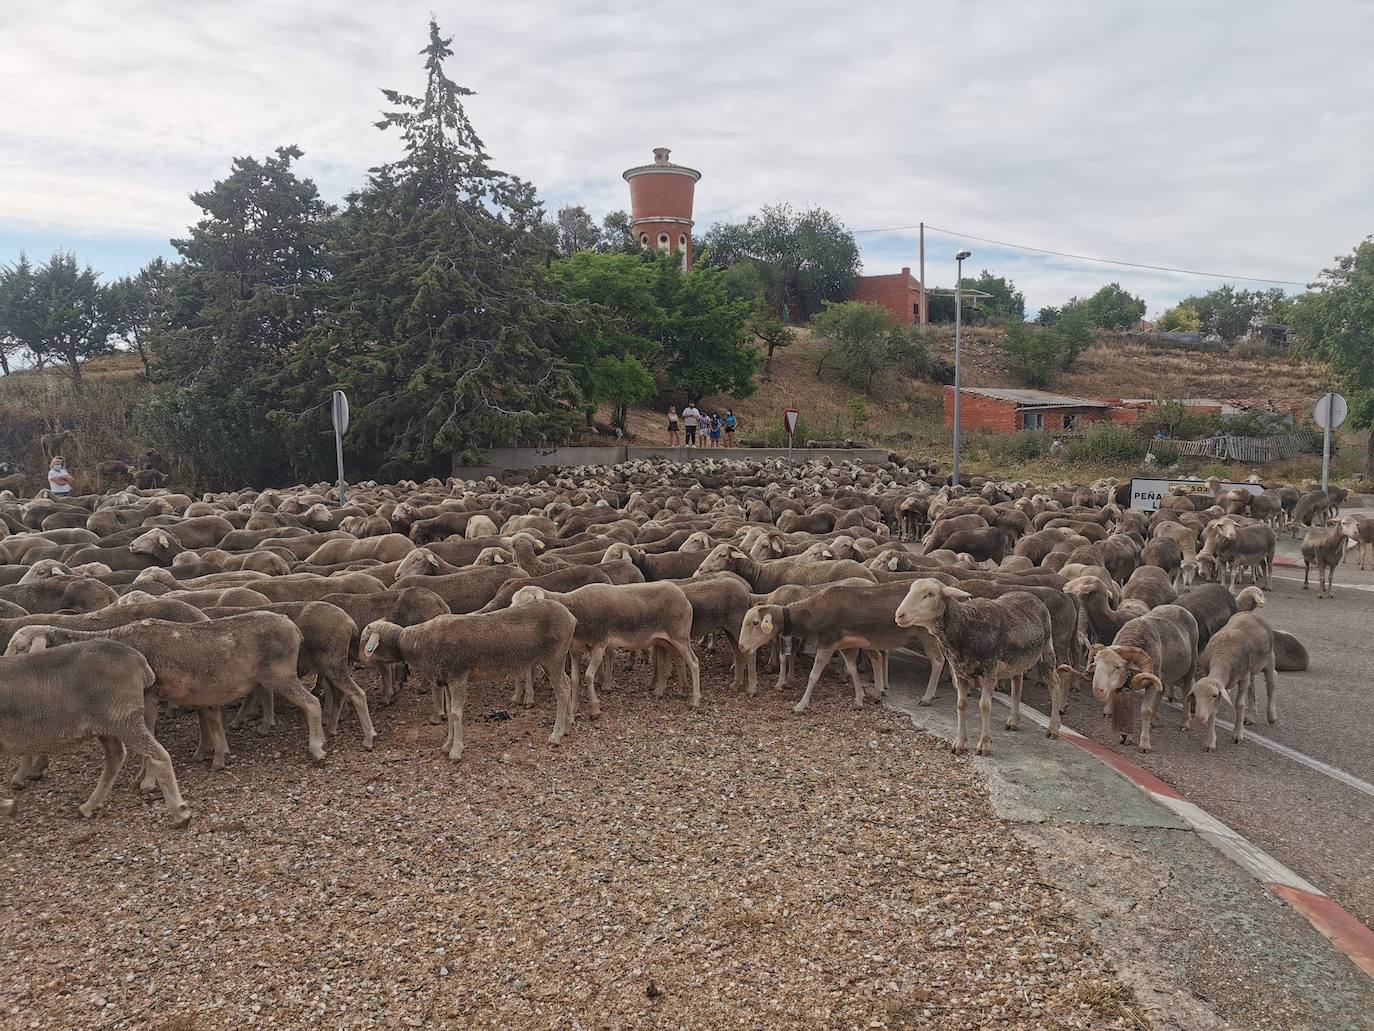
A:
(902, 409)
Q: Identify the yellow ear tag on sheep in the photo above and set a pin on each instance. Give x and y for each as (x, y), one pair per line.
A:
(766, 624)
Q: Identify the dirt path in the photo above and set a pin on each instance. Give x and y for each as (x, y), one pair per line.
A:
(738, 867)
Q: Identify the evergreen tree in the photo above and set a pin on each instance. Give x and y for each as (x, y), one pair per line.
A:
(440, 325)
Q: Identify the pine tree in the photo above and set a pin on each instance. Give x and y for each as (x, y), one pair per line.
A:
(440, 324)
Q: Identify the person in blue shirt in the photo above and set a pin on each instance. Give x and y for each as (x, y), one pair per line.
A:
(730, 423)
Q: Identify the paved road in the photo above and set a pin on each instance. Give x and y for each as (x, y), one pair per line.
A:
(1320, 827)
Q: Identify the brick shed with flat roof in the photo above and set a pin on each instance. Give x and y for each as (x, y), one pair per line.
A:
(1008, 410)
(899, 293)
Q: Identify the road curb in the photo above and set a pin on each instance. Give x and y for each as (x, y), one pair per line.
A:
(1351, 938)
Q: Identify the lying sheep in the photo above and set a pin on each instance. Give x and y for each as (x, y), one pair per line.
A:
(1237, 652)
(55, 701)
(490, 645)
(58, 593)
(205, 665)
(987, 640)
(635, 617)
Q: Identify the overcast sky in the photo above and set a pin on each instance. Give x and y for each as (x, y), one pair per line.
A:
(1231, 136)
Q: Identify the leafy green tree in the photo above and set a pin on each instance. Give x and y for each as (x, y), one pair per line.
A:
(1006, 303)
(1048, 315)
(576, 230)
(21, 315)
(618, 234)
(1181, 318)
(1033, 353)
(863, 339)
(769, 330)
(621, 381)
(1075, 333)
(1228, 313)
(439, 321)
(807, 258)
(702, 331)
(1336, 322)
(1112, 307)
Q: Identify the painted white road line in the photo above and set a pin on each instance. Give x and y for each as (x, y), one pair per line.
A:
(1335, 773)
(1348, 587)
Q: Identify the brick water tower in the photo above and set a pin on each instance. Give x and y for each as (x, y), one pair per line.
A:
(661, 204)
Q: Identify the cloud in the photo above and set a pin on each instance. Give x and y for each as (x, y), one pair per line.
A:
(1228, 136)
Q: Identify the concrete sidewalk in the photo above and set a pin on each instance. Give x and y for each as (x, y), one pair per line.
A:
(1200, 941)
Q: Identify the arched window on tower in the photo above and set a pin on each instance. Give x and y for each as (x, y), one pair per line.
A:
(663, 241)
(644, 239)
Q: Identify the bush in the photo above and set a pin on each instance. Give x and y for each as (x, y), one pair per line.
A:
(1175, 419)
(1022, 447)
(1034, 354)
(1166, 453)
(1255, 424)
(1106, 443)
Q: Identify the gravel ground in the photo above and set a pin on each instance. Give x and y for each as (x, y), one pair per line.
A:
(737, 867)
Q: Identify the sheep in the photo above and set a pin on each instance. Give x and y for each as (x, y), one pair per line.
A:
(327, 633)
(631, 616)
(55, 593)
(1211, 605)
(1311, 510)
(464, 591)
(494, 645)
(987, 640)
(1323, 547)
(1290, 655)
(1151, 585)
(1157, 652)
(54, 701)
(211, 597)
(719, 604)
(988, 544)
(110, 616)
(1164, 553)
(1101, 621)
(387, 548)
(838, 618)
(1236, 652)
(1360, 530)
(1240, 547)
(205, 665)
(767, 576)
(671, 565)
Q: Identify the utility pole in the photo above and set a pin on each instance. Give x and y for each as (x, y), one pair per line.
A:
(958, 317)
(923, 320)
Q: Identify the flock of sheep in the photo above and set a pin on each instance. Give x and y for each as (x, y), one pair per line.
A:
(117, 608)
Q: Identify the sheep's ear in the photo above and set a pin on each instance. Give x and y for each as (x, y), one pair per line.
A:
(432, 559)
(776, 545)
(373, 639)
(893, 563)
(498, 559)
(766, 624)
(953, 592)
(827, 553)
(37, 643)
(736, 553)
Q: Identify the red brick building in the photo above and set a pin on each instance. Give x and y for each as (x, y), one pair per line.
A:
(661, 197)
(1006, 410)
(899, 294)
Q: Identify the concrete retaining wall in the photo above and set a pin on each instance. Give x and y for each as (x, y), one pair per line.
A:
(500, 459)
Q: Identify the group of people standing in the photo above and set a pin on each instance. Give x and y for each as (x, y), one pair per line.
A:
(701, 430)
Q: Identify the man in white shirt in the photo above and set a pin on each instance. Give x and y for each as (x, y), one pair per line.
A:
(59, 480)
(690, 415)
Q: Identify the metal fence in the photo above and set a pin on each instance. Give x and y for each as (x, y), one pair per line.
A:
(1249, 449)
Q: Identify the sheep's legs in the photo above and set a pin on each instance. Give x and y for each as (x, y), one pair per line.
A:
(936, 655)
(114, 762)
(594, 657)
(851, 665)
(988, 685)
(1058, 692)
(138, 738)
(1017, 683)
(960, 709)
(348, 688)
(31, 767)
(437, 696)
(563, 692)
(1270, 688)
(817, 668)
(878, 661)
(294, 692)
(688, 657)
(1148, 705)
(457, 695)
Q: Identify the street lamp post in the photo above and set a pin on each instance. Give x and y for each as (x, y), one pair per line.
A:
(958, 318)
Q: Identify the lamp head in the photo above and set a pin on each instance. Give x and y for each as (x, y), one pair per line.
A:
(962, 255)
